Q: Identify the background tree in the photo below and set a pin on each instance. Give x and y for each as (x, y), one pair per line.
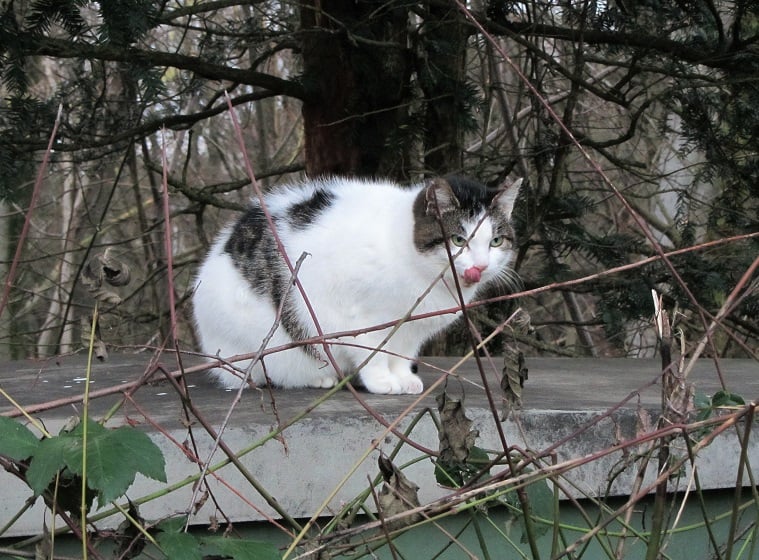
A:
(661, 94)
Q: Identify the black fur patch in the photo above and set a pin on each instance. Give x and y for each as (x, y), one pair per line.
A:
(253, 249)
(473, 198)
(303, 214)
(254, 252)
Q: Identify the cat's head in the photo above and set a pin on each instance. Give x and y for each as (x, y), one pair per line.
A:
(473, 223)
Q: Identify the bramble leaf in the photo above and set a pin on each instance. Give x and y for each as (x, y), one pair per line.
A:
(243, 549)
(16, 440)
(114, 457)
(47, 460)
(179, 546)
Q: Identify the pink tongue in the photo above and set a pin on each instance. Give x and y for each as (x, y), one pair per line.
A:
(472, 274)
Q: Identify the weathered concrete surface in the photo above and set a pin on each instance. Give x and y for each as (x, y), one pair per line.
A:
(326, 456)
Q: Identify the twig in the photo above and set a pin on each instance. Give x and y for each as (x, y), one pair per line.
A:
(28, 219)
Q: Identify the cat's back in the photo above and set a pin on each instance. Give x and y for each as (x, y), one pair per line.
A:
(307, 202)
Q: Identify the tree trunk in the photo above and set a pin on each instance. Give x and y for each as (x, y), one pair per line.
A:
(442, 76)
(356, 73)
(57, 332)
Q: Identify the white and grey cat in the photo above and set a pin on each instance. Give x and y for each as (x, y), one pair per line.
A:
(373, 251)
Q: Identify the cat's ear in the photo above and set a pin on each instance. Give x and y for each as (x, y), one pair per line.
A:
(507, 197)
(440, 197)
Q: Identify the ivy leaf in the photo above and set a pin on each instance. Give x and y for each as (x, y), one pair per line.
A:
(541, 503)
(727, 399)
(16, 440)
(243, 549)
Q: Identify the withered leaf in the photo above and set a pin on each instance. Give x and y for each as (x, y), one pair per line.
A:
(456, 435)
(454, 463)
(104, 269)
(44, 549)
(514, 370)
(514, 375)
(398, 494)
(99, 348)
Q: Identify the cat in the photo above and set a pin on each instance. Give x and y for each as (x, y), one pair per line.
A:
(365, 254)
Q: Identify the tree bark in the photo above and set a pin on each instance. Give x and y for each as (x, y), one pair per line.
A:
(442, 75)
(356, 75)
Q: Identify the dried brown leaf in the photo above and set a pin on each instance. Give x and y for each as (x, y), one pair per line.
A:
(99, 349)
(514, 372)
(512, 382)
(398, 494)
(456, 434)
(102, 270)
(44, 549)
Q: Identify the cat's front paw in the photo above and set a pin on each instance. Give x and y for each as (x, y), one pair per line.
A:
(323, 382)
(385, 383)
(411, 384)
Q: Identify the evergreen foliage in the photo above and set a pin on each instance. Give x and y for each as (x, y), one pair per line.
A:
(410, 90)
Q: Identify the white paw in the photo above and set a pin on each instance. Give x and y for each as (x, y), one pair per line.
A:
(411, 384)
(385, 383)
(323, 382)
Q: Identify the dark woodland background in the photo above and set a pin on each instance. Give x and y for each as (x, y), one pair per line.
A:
(662, 95)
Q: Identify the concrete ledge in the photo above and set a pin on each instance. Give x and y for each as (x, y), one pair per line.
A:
(330, 445)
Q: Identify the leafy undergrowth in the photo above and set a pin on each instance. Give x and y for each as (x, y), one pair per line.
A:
(114, 457)
(54, 469)
(79, 471)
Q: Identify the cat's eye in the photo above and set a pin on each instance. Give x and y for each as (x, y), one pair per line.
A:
(497, 241)
(458, 240)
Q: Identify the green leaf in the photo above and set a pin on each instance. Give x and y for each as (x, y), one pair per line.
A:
(47, 460)
(16, 440)
(243, 549)
(478, 458)
(173, 524)
(114, 457)
(179, 546)
(701, 401)
(726, 398)
(145, 456)
(447, 474)
(541, 501)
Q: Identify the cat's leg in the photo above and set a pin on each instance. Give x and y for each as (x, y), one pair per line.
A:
(386, 374)
(388, 370)
(326, 381)
(296, 367)
(405, 371)
(230, 377)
